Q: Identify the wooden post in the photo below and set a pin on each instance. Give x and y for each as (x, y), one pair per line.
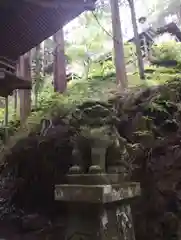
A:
(59, 66)
(137, 40)
(118, 45)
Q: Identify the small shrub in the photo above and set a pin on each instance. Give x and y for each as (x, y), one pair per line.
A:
(167, 51)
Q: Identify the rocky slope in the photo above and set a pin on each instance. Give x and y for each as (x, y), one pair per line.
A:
(145, 122)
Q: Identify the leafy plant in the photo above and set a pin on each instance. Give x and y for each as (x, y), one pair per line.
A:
(167, 51)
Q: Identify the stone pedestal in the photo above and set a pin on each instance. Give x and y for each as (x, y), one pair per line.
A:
(99, 206)
(98, 201)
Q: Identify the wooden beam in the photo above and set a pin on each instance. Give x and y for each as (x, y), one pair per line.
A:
(118, 45)
(87, 4)
(45, 3)
(6, 65)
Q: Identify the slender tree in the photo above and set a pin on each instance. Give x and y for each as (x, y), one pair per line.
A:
(24, 70)
(60, 81)
(37, 73)
(137, 40)
(118, 45)
(15, 103)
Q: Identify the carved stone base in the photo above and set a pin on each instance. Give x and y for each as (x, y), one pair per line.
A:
(98, 205)
(95, 222)
(96, 193)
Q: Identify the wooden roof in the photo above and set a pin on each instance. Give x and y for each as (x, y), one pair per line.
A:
(26, 23)
(9, 82)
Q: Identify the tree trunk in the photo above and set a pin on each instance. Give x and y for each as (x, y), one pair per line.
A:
(24, 71)
(43, 57)
(37, 74)
(179, 16)
(15, 103)
(137, 40)
(6, 118)
(118, 45)
(15, 95)
(59, 68)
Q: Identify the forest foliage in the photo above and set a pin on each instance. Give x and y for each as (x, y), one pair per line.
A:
(90, 58)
